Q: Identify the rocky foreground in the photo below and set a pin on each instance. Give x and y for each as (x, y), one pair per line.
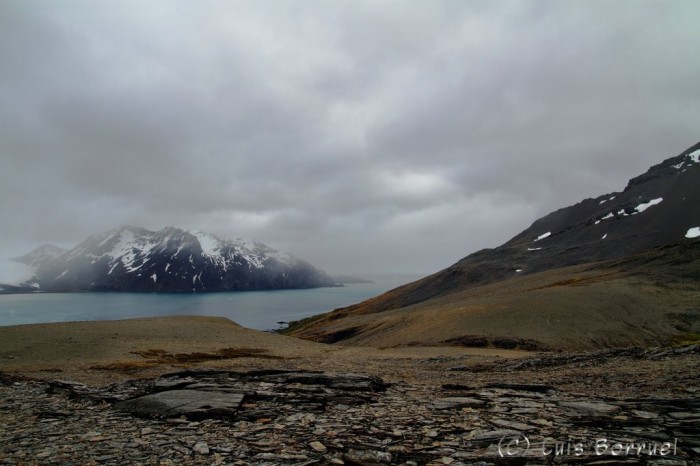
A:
(629, 406)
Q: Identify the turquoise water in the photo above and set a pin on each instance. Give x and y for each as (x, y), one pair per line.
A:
(261, 310)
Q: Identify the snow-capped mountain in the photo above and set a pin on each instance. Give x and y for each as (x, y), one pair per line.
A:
(169, 260)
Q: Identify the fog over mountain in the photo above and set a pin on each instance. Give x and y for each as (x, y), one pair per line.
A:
(362, 136)
(170, 260)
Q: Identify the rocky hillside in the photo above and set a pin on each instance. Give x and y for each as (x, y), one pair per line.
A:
(655, 210)
(169, 260)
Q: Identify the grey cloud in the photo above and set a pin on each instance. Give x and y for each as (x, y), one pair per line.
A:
(380, 136)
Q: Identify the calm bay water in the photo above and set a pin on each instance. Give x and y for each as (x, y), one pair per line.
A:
(261, 310)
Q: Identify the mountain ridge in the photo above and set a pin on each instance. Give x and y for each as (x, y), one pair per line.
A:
(657, 208)
(131, 258)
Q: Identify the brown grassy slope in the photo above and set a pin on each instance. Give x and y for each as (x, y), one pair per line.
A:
(99, 341)
(646, 299)
(107, 351)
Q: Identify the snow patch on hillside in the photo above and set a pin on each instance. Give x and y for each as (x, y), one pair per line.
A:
(645, 205)
(690, 159)
(129, 248)
(209, 243)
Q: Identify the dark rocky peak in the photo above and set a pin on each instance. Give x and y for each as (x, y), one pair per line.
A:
(690, 158)
(654, 209)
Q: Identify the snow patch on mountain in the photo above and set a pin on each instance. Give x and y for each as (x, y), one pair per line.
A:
(645, 205)
(690, 159)
(209, 243)
(623, 212)
(694, 156)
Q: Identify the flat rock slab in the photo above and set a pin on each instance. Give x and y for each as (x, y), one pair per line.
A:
(526, 387)
(349, 382)
(172, 383)
(519, 426)
(494, 435)
(589, 408)
(200, 395)
(457, 402)
(193, 404)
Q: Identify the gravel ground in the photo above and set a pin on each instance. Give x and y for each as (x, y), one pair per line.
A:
(433, 405)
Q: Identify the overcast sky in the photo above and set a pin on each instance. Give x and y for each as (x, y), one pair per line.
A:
(362, 136)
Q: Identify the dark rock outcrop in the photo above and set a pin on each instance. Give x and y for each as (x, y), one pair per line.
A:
(193, 404)
(212, 394)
